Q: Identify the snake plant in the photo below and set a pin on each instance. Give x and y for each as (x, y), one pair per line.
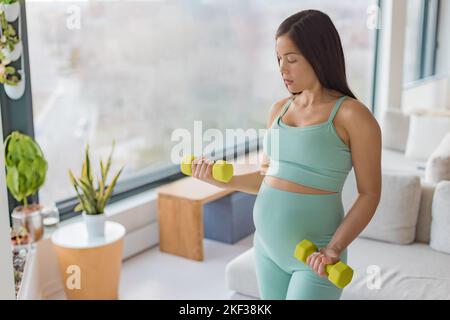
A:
(92, 200)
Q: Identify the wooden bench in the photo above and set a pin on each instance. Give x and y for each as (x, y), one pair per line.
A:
(180, 210)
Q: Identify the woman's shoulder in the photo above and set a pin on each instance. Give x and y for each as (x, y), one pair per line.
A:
(353, 108)
(276, 109)
(355, 114)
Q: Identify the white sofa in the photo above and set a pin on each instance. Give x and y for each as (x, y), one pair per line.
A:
(382, 270)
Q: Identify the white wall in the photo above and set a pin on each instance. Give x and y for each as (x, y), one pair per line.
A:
(443, 50)
(7, 289)
(427, 94)
(392, 42)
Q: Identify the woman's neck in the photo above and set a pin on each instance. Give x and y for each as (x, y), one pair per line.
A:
(315, 96)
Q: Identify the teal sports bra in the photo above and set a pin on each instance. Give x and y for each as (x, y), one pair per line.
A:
(313, 156)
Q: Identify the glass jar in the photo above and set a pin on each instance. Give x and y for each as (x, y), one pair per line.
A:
(50, 215)
(30, 218)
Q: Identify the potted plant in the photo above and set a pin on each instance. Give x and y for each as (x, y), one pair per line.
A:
(19, 237)
(9, 41)
(14, 83)
(11, 9)
(20, 243)
(92, 200)
(26, 169)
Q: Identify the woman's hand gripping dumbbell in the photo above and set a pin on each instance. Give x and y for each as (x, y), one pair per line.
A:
(340, 274)
(207, 170)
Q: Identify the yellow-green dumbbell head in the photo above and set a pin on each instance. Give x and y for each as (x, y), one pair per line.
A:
(303, 249)
(340, 274)
(222, 171)
(186, 164)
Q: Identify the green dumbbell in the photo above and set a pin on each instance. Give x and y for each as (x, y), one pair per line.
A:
(221, 170)
(339, 273)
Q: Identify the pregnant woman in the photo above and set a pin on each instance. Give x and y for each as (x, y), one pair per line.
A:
(314, 138)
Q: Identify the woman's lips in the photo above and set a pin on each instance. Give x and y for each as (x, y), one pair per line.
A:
(288, 82)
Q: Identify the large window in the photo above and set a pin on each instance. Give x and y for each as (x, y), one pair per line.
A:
(134, 71)
(420, 39)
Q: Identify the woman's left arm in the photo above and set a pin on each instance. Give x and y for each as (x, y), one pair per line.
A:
(365, 146)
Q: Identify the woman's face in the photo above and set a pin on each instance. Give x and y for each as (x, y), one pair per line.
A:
(296, 71)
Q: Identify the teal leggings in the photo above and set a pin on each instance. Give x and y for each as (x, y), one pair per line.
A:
(282, 219)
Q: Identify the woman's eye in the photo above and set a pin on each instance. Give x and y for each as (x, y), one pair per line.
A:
(290, 60)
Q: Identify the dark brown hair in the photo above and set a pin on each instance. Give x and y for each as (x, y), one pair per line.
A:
(315, 35)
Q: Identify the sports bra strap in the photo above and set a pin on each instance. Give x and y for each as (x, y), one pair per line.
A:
(285, 107)
(336, 108)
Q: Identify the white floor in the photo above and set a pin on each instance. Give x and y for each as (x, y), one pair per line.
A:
(155, 275)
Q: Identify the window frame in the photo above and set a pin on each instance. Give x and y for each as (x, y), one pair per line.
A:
(429, 28)
(18, 114)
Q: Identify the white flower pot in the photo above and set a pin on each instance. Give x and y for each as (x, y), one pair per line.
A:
(95, 224)
(16, 92)
(15, 54)
(11, 11)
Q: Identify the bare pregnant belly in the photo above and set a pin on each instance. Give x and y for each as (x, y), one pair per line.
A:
(286, 185)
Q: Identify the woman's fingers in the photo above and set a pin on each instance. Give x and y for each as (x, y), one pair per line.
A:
(317, 263)
(208, 170)
(322, 267)
(202, 168)
(198, 168)
(194, 167)
(312, 259)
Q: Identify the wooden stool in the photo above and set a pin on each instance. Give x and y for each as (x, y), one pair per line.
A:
(180, 210)
(90, 268)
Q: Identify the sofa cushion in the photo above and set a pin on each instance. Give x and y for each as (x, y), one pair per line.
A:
(391, 162)
(424, 219)
(396, 215)
(240, 274)
(394, 129)
(396, 162)
(438, 164)
(424, 135)
(440, 222)
(405, 272)
(381, 271)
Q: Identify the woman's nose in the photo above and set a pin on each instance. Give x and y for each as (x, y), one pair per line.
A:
(283, 67)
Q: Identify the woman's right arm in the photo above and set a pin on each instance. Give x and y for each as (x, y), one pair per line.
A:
(249, 182)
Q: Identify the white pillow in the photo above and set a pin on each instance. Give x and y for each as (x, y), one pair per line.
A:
(440, 221)
(394, 129)
(396, 215)
(438, 165)
(425, 134)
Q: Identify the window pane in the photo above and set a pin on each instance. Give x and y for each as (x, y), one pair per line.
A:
(136, 70)
(413, 40)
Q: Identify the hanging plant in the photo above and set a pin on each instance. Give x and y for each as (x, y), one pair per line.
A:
(10, 50)
(8, 74)
(11, 9)
(9, 36)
